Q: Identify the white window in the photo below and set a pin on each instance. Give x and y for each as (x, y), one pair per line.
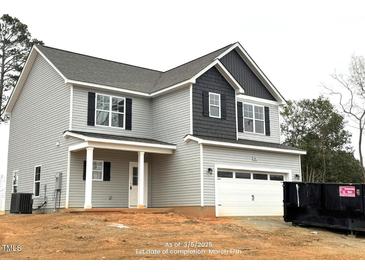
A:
(253, 118)
(98, 170)
(15, 181)
(110, 111)
(37, 180)
(214, 105)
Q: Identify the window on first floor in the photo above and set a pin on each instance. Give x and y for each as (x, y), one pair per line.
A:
(253, 118)
(214, 105)
(37, 180)
(110, 111)
(15, 181)
(98, 170)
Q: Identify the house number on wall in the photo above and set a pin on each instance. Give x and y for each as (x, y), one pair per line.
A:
(253, 158)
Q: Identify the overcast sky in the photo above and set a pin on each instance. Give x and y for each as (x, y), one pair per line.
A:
(297, 44)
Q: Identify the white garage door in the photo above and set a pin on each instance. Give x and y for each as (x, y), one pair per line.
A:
(249, 193)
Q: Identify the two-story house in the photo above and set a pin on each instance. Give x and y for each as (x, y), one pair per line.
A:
(86, 132)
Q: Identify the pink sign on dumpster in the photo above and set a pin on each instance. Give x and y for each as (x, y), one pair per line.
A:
(347, 191)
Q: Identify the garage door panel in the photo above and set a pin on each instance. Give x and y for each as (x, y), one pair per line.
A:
(237, 197)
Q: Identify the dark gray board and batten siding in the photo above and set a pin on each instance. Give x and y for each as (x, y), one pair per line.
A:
(203, 125)
(245, 77)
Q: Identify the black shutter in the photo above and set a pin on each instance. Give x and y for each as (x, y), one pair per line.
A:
(240, 116)
(267, 121)
(106, 176)
(84, 171)
(128, 118)
(205, 103)
(91, 109)
(223, 106)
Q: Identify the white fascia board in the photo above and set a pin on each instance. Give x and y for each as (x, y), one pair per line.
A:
(238, 88)
(50, 63)
(256, 70)
(85, 84)
(118, 142)
(260, 100)
(21, 81)
(252, 147)
(173, 87)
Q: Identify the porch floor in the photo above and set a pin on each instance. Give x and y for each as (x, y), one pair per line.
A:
(121, 210)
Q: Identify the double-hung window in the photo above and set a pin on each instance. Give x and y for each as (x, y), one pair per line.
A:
(15, 181)
(214, 105)
(98, 170)
(110, 111)
(254, 120)
(37, 180)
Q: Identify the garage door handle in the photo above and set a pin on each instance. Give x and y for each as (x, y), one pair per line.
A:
(219, 204)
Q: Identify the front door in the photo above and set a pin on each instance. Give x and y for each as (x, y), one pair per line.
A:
(133, 184)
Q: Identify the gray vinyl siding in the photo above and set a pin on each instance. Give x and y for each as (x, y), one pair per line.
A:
(141, 114)
(274, 123)
(245, 77)
(39, 117)
(240, 157)
(113, 193)
(213, 81)
(176, 177)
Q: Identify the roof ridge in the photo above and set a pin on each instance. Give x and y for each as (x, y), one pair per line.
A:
(199, 57)
(108, 60)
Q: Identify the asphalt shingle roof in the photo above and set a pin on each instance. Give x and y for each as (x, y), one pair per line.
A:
(119, 137)
(249, 142)
(84, 68)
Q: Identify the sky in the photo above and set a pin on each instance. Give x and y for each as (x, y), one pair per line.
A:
(298, 44)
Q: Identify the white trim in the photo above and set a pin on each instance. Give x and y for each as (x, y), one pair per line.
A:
(68, 173)
(243, 98)
(256, 70)
(191, 108)
(253, 118)
(34, 181)
(21, 81)
(79, 146)
(228, 76)
(108, 141)
(234, 145)
(287, 172)
(110, 111)
(102, 171)
(219, 105)
(224, 72)
(50, 63)
(170, 88)
(201, 175)
(98, 86)
(71, 106)
(89, 177)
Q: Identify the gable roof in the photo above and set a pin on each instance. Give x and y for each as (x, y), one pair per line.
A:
(88, 69)
(80, 69)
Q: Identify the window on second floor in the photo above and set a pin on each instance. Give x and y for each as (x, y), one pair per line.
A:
(214, 105)
(254, 119)
(110, 111)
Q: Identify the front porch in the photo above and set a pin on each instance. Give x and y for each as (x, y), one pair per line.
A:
(110, 173)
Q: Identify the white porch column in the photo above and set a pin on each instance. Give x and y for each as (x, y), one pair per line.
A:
(141, 189)
(89, 177)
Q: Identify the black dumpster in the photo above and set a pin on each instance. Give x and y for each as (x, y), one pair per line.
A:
(332, 205)
(21, 203)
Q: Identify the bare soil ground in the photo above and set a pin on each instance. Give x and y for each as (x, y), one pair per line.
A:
(168, 236)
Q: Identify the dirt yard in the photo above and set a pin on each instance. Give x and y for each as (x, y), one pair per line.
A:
(167, 236)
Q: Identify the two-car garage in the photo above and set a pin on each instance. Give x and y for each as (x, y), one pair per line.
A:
(249, 193)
